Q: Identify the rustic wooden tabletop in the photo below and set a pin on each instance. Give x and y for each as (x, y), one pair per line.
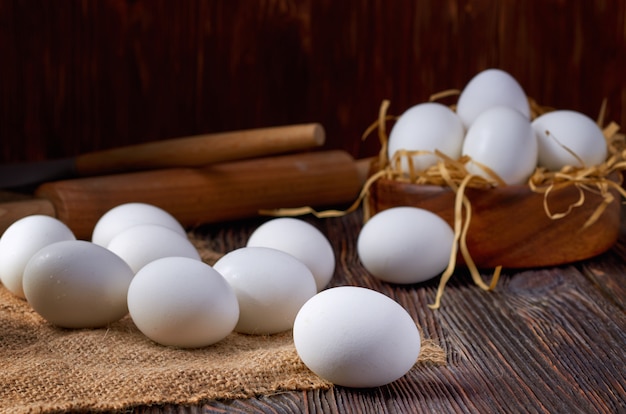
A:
(549, 340)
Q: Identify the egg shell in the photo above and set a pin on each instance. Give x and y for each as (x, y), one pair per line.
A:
(182, 302)
(21, 240)
(356, 337)
(428, 127)
(77, 284)
(405, 245)
(562, 131)
(503, 140)
(123, 216)
(302, 240)
(270, 285)
(144, 243)
(489, 88)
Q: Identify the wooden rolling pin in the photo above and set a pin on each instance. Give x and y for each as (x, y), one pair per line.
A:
(193, 151)
(201, 150)
(195, 196)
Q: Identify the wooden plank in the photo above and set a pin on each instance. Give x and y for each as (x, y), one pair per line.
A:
(607, 271)
(91, 75)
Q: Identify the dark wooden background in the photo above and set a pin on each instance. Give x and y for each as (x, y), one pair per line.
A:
(78, 76)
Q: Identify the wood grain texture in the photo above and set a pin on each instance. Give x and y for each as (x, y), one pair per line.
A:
(548, 340)
(80, 76)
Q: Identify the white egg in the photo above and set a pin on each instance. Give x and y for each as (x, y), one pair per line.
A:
(270, 285)
(21, 240)
(182, 302)
(428, 127)
(503, 140)
(77, 284)
(356, 337)
(562, 131)
(121, 217)
(144, 243)
(405, 245)
(303, 241)
(489, 88)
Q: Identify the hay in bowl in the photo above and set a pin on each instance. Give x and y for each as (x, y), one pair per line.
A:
(558, 217)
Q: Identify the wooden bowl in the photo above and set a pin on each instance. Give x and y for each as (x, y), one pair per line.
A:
(509, 226)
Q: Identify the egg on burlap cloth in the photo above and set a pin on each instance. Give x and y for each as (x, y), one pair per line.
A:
(45, 368)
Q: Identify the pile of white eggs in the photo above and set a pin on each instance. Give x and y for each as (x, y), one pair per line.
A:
(492, 125)
(140, 262)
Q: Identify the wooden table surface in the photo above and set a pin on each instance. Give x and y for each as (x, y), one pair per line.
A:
(548, 340)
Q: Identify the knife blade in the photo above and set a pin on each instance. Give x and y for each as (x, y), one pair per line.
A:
(192, 151)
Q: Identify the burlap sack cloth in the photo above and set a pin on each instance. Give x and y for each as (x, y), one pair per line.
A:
(44, 368)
